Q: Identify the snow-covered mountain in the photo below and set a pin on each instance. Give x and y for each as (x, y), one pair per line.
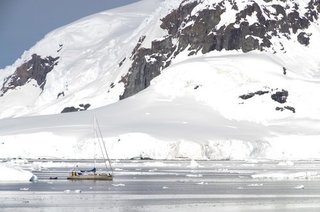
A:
(79, 63)
(205, 79)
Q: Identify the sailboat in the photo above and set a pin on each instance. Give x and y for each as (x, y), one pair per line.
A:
(92, 174)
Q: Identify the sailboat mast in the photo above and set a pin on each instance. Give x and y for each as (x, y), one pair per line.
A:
(103, 146)
(94, 147)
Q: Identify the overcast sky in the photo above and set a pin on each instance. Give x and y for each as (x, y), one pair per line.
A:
(24, 22)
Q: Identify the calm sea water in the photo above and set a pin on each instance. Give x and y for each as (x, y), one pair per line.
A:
(181, 185)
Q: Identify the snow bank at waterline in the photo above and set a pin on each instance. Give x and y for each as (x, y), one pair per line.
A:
(135, 145)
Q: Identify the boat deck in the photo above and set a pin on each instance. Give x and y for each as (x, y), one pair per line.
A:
(108, 177)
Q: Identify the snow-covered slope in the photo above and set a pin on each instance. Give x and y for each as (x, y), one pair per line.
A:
(88, 54)
(219, 80)
(180, 121)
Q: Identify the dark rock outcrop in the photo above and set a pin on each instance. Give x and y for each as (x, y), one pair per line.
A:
(292, 109)
(122, 61)
(202, 32)
(313, 10)
(60, 94)
(284, 71)
(69, 109)
(280, 109)
(135, 49)
(303, 38)
(147, 64)
(250, 95)
(280, 96)
(36, 68)
(82, 107)
(60, 47)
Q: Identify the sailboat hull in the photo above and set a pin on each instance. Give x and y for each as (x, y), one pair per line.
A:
(106, 177)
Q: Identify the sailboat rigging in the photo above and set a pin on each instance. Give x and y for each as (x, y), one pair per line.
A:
(93, 174)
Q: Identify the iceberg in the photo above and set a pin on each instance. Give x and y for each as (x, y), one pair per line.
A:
(10, 174)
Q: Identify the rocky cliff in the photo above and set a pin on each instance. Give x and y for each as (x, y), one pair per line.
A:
(36, 68)
(217, 26)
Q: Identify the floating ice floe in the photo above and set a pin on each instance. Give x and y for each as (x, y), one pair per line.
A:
(10, 174)
(119, 185)
(299, 187)
(286, 163)
(194, 164)
(155, 164)
(255, 185)
(194, 175)
(78, 191)
(287, 176)
(203, 183)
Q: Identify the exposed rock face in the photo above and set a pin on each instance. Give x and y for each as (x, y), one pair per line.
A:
(303, 38)
(250, 95)
(203, 32)
(60, 94)
(82, 107)
(280, 96)
(37, 68)
(122, 61)
(69, 109)
(147, 64)
(292, 109)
